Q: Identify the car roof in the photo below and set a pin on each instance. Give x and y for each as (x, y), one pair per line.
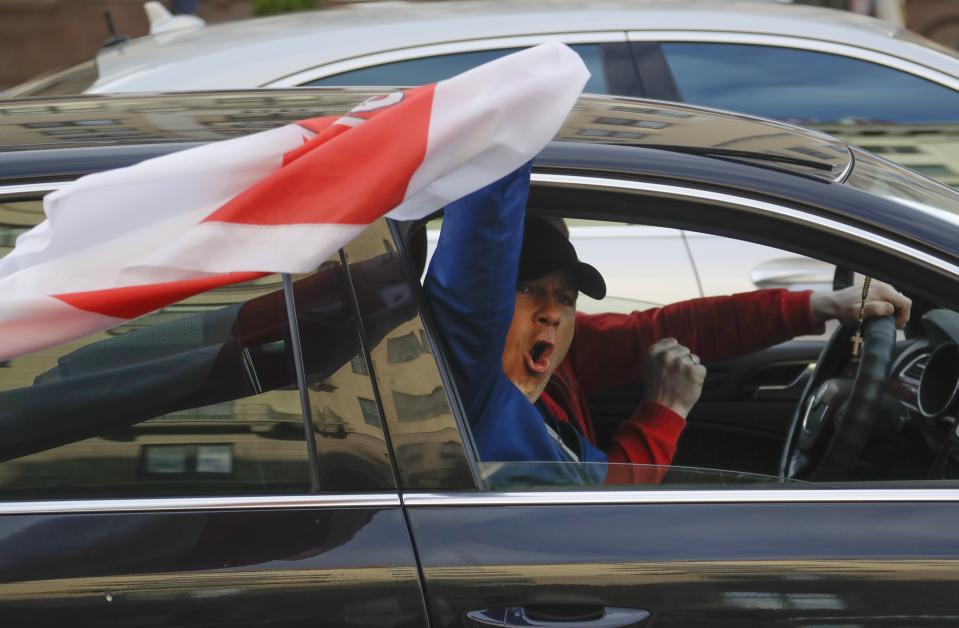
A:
(255, 52)
(34, 126)
(45, 140)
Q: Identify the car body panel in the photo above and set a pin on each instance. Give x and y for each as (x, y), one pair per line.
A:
(137, 120)
(694, 564)
(277, 567)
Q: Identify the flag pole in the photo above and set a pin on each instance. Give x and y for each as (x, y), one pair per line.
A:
(301, 382)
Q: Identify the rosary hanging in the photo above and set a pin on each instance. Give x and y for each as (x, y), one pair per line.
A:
(857, 338)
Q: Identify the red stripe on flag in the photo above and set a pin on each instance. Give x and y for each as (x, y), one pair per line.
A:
(318, 125)
(323, 128)
(134, 301)
(345, 175)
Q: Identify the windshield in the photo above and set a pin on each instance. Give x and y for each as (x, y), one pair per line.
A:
(73, 80)
(883, 178)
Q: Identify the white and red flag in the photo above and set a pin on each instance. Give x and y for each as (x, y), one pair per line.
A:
(119, 244)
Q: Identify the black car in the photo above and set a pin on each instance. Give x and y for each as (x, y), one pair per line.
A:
(262, 456)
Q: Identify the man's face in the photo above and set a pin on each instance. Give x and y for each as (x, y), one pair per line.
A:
(541, 332)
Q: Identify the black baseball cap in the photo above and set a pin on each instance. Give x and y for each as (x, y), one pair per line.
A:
(546, 250)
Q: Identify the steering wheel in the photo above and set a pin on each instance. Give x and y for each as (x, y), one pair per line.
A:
(845, 408)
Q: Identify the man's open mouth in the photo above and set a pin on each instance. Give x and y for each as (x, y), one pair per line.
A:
(537, 360)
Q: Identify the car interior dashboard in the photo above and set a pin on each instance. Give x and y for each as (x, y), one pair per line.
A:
(924, 379)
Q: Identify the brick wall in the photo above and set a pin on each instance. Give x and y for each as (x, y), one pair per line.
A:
(922, 14)
(41, 35)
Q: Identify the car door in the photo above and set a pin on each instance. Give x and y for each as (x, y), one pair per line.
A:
(171, 471)
(708, 548)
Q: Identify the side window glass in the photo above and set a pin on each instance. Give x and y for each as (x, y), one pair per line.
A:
(634, 287)
(730, 266)
(803, 86)
(440, 67)
(199, 398)
(642, 284)
(753, 331)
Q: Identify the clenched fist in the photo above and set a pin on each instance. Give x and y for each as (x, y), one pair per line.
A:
(673, 376)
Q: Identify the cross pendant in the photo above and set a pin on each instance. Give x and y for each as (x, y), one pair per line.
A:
(856, 344)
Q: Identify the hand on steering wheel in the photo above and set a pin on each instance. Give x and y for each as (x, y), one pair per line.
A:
(851, 407)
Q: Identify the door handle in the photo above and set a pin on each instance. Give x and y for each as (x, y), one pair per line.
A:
(518, 617)
(793, 272)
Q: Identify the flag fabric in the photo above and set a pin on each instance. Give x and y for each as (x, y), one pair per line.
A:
(119, 244)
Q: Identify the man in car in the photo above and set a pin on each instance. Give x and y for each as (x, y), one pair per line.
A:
(508, 322)
(611, 350)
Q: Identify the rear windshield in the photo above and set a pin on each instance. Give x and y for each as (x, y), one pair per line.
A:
(73, 80)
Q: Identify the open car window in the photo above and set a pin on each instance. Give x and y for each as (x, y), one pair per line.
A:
(773, 374)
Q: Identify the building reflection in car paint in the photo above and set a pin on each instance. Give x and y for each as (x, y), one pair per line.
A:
(932, 146)
(689, 129)
(404, 348)
(351, 448)
(213, 370)
(421, 407)
(213, 118)
(421, 425)
(766, 600)
(656, 556)
(16, 218)
(88, 418)
(371, 412)
(186, 460)
(156, 569)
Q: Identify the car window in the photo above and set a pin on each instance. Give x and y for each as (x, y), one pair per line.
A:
(199, 398)
(440, 67)
(637, 286)
(803, 86)
(754, 332)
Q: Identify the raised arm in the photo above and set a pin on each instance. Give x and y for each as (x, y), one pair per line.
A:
(471, 291)
(471, 281)
(608, 349)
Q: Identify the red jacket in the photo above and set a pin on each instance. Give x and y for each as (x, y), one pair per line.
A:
(608, 351)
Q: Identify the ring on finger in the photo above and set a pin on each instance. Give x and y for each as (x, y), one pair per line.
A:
(693, 358)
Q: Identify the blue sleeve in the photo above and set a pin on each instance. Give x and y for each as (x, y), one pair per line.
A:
(471, 281)
(471, 290)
